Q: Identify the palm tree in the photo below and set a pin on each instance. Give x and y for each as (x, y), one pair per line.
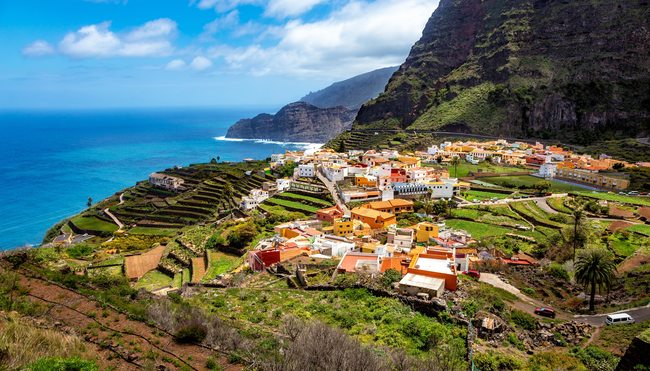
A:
(455, 162)
(228, 191)
(578, 217)
(218, 158)
(595, 269)
(428, 206)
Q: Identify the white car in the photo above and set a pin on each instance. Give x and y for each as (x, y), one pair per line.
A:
(619, 319)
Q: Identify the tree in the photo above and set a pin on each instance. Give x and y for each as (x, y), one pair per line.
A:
(488, 159)
(618, 166)
(341, 147)
(213, 161)
(218, 158)
(228, 191)
(90, 202)
(595, 269)
(451, 204)
(428, 207)
(542, 186)
(455, 162)
(439, 159)
(578, 217)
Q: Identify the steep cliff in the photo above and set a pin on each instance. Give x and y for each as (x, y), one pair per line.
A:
(567, 69)
(353, 92)
(295, 122)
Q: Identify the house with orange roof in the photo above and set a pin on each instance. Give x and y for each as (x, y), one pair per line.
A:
(395, 206)
(375, 219)
(357, 261)
(431, 273)
(399, 263)
(330, 214)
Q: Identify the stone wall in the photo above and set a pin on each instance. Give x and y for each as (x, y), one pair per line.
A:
(636, 354)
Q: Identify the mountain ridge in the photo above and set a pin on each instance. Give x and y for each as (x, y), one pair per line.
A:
(548, 68)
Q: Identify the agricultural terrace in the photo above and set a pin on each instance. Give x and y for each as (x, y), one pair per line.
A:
(154, 280)
(465, 168)
(477, 230)
(296, 205)
(528, 181)
(93, 223)
(638, 200)
(481, 195)
(557, 203)
(298, 197)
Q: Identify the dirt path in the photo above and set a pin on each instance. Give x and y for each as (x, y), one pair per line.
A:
(117, 221)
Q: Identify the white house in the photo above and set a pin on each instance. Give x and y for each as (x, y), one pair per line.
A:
(548, 170)
(443, 189)
(254, 199)
(333, 246)
(277, 156)
(306, 171)
(170, 183)
(283, 184)
(433, 150)
(335, 173)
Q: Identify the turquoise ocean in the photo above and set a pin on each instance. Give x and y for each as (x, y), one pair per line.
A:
(51, 161)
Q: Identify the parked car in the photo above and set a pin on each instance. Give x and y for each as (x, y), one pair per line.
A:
(524, 196)
(464, 202)
(538, 195)
(643, 193)
(619, 319)
(634, 193)
(548, 194)
(622, 193)
(476, 200)
(475, 274)
(494, 199)
(546, 312)
(516, 197)
(485, 200)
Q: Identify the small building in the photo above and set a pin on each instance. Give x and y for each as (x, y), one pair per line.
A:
(400, 237)
(343, 226)
(271, 187)
(254, 199)
(333, 246)
(63, 239)
(375, 219)
(395, 206)
(357, 261)
(365, 180)
(425, 231)
(409, 189)
(306, 171)
(330, 214)
(166, 182)
(548, 170)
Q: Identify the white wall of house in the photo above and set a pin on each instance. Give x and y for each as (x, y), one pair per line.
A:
(306, 171)
(548, 170)
(283, 184)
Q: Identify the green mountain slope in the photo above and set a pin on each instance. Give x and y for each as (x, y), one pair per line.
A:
(353, 92)
(576, 70)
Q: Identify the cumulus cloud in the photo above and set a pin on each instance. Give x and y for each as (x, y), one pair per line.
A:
(176, 65)
(220, 24)
(200, 63)
(357, 38)
(96, 41)
(38, 48)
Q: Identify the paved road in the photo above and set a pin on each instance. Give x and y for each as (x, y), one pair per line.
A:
(508, 200)
(541, 202)
(332, 188)
(643, 141)
(529, 304)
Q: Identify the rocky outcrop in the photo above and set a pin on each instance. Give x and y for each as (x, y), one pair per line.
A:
(295, 122)
(574, 70)
(636, 354)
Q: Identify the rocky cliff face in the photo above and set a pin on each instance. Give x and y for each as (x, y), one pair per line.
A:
(295, 122)
(570, 69)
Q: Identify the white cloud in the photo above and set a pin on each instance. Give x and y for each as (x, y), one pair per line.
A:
(288, 8)
(273, 8)
(176, 65)
(200, 63)
(360, 37)
(96, 41)
(38, 48)
(219, 24)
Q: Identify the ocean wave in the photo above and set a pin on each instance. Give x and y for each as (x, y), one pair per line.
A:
(305, 145)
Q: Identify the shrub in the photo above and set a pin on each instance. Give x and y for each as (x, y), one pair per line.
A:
(558, 271)
(560, 218)
(219, 302)
(175, 298)
(63, 364)
(470, 307)
(486, 362)
(192, 332)
(523, 320)
(212, 364)
(390, 276)
(528, 291)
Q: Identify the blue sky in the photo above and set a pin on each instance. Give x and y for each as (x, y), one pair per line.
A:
(144, 53)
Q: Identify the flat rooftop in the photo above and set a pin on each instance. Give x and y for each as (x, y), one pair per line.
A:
(434, 265)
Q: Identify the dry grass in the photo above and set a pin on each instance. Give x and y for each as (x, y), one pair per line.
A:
(26, 343)
(139, 265)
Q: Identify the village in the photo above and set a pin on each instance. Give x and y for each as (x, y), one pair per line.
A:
(468, 233)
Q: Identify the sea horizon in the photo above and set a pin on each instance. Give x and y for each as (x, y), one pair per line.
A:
(56, 158)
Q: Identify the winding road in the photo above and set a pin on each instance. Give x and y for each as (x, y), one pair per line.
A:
(332, 188)
(528, 305)
(117, 221)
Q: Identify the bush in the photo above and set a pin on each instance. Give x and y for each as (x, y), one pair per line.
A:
(63, 364)
(558, 271)
(212, 364)
(528, 291)
(175, 298)
(560, 218)
(523, 320)
(192, 332)
(389, 277)
(214, 241)
(470, 307)
(79, 251)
